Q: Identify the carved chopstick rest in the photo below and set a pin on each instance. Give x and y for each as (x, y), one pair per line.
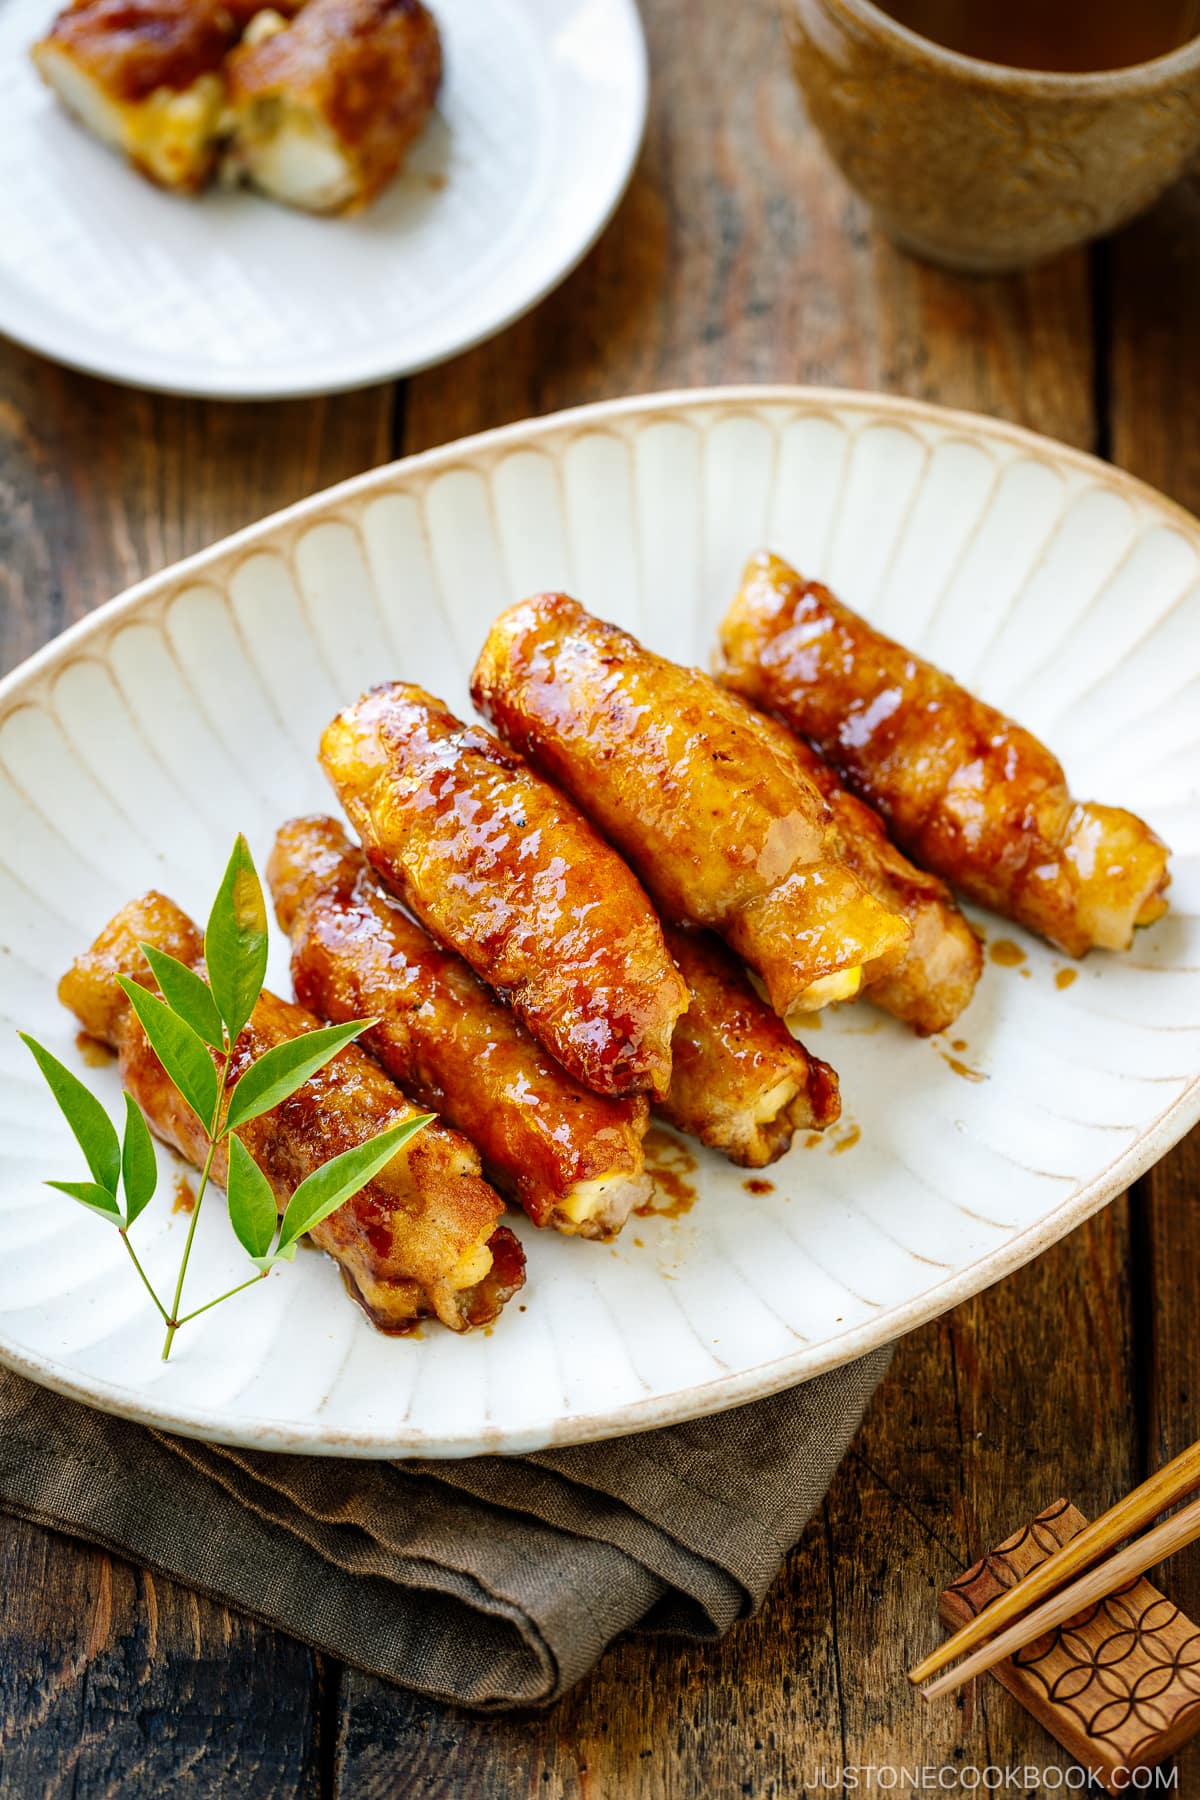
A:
(1118, 1686)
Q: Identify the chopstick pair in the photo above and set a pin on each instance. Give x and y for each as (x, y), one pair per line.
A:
(1174, 1481)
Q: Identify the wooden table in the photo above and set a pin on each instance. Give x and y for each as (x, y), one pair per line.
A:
(738, 255)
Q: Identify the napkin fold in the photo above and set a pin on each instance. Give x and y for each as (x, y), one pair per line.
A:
(493, 1582)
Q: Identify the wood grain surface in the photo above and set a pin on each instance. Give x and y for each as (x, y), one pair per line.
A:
(738, 254)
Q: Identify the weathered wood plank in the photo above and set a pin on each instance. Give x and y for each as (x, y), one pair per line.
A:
(100, 486)
(1152, 271)
(1167, 1272)
(115, 1683)
(1154, 274)
(112, 1681)
(1020, 1395)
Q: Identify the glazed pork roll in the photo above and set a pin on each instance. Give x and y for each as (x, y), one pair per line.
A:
(419, 1239)
(928, 982)
(500, 867)
(740, 1082)
(961, 788)
(572, 1159)
(693, 787)
(146, 77)
(324, 111)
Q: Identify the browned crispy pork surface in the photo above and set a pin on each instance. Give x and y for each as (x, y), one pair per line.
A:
(961, 788)
(131, 47)
(501, 867)
(421, 1238)
(572, 1158)
(929, 981)
(147, 77)
(325, 111)
(316, 103)
(740, 1081)
(721, 825)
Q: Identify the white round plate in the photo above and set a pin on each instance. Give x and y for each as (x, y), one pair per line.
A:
(535, 136)
(134, 747)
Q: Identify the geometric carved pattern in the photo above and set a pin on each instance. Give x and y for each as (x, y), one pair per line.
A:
(1118, 1685)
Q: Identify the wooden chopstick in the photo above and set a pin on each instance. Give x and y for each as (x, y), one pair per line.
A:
(1174, 1481)
(1183, 1528)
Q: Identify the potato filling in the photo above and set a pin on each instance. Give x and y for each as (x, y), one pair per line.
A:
(843, 984)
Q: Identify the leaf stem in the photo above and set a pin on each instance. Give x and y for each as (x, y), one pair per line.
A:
(261, 1275)
(174, 1321)
(145, 1278)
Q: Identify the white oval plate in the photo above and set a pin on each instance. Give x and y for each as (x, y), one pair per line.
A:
(533, 142)
(134, 747)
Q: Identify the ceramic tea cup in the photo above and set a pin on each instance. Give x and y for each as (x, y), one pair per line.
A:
(977, 165)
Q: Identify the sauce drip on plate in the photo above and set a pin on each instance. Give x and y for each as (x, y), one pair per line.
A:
(669, 1163)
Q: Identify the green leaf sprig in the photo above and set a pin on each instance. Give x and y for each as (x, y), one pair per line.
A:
(193, 1029)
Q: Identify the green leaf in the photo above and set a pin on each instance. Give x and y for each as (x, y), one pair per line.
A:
(282, 1069)
(97, 1199)
(187, 994)
(235, 943)
(268, 1262)
(182, 1054)
(252, 1209)
(94, 1131)
(334, 1182)
(139, 1165)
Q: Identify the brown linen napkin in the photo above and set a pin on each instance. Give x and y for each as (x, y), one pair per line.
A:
(494, 1582)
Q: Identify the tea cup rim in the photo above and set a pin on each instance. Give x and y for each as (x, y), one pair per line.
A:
(1131, 78)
